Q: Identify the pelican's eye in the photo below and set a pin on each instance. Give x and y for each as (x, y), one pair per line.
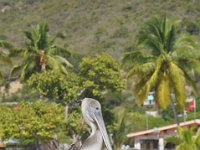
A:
(97, 108)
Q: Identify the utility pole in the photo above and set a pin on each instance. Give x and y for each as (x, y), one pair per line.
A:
(147, 121)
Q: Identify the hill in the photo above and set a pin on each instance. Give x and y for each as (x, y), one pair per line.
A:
(90, 26)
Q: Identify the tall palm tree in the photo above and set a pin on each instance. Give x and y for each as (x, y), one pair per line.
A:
(165, 64)
(41, 53)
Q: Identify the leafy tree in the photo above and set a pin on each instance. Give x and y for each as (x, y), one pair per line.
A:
(165, 65)
(35, 122)
(55, 86)
(41, 53)
(101, 73)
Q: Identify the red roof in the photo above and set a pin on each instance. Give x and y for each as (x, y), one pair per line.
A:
(182, 124)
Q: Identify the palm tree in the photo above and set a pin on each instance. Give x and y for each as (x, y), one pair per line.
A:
(119, 127)
(186, 139)
(119, 131)
(165, 64)
(41, 53)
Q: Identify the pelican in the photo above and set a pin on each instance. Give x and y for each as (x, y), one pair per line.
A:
(91, 110)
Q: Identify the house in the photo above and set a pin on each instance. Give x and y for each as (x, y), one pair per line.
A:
(153, 139)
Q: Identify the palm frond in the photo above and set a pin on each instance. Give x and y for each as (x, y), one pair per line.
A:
(135, 57)
(186, 46)
(163, 91)
(15, 69)
(43, 30)
(178, 80)
(53, 63)
(147, 81)
(144, 85)
(56, 50)
(29, 36)
(197, 137)
(23, 72)
(64, 70)
(141, 69)
(6, 44)
(191, 82)
(170, 39)
(150, 42)
(140, 91)
(63, 61)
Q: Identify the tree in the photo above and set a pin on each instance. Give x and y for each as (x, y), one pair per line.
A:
(76, 126)
(55, 86)
(41, 53)
(100, 73)
(118, 130)
(31, 122)
(165, 65)
(186, 139)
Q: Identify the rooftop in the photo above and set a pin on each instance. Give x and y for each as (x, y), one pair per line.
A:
(168, 127)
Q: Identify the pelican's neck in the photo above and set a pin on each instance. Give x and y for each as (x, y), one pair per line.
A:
(93, 127)
(94, 141)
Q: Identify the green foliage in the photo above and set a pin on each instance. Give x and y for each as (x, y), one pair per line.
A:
(56, 86)
(137, 122)
(118, 130)
(31, 121)
(187, 139)
(76, 125)
(100, 73)
(167, 114)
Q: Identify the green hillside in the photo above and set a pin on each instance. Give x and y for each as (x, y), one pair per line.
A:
(91, 26)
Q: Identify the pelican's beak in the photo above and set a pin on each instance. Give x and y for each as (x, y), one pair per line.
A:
(100, 122)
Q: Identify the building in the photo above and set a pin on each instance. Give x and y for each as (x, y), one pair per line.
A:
(153, 139)
(150, 100)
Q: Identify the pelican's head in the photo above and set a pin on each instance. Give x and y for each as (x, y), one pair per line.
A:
(91, 110)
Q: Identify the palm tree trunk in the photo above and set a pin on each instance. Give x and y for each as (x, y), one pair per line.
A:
(43, 60)
(174, 110)
(117, 147)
